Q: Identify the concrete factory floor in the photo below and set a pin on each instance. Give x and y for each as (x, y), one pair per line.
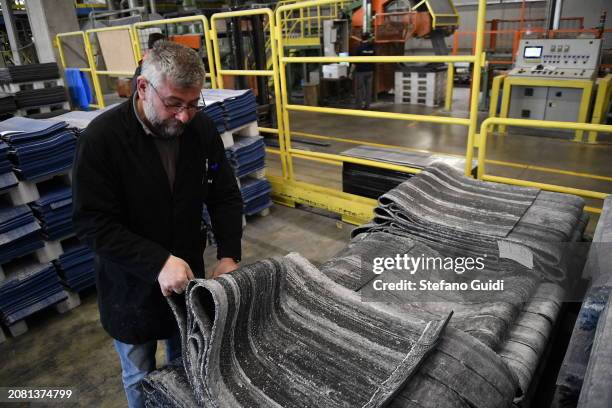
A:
(72, 350)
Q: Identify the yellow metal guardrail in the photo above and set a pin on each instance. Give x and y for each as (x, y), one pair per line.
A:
(273, 73)
(602, 104)
(190, 19)
(97, 72)
(353, 208)
(300, 24)
(541, 124)
(90, 61)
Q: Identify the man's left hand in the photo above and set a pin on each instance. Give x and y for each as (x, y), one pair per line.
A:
(225, 265)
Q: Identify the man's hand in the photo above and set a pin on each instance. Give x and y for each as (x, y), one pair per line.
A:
(224, 265)
(174, 276)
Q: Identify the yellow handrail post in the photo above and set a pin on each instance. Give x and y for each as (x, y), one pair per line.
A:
(602, 100)
(273, 73)
(585, 104)
(541, 124)
(450, 78)
(90, 61)
(95, 71)
(479, 58)
(494, 100)
(284, 101)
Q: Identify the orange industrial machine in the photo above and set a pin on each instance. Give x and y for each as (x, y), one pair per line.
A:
(392, 23)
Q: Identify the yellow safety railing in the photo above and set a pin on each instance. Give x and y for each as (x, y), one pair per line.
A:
(353, 208)
(306, 22)
(190, 19)
(602, 104)
(89, 34)
(90, 61)
(273, 73)
(488, 123)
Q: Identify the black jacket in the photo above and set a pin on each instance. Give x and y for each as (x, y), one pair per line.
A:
(125, 211)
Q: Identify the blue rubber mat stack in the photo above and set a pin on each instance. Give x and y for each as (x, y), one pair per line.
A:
(7, 177)
(215, 112)
(54, 211)
(255, 195)
(19, 232)
(38, 148)
(239, 106)
(39, 265)
(32, 287)
(247, 154)
(76, 267)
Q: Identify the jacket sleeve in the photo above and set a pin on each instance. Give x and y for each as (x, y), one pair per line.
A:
(97, 211)
(224, 201)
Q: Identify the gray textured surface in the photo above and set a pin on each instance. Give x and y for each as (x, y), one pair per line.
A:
(280, 333)
(486, 358)
(441, 213)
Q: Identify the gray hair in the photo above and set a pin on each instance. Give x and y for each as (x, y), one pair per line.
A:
(169, 61)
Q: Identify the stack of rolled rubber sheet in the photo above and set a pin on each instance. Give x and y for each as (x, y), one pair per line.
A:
(282, 332)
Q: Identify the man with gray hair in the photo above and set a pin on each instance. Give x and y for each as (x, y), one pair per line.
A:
(142, 172)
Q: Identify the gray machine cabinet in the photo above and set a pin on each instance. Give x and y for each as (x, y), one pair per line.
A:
(528, 102)
(563, 104)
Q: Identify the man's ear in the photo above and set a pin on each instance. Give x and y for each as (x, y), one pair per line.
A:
(141, 86)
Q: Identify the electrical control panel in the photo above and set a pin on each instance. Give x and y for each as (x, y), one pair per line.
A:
(558, 58)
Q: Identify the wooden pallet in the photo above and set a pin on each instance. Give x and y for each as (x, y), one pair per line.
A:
(14, 87)
(71, 301)
(248, 129)
(49, 252)
(26, 191)
(32, 110)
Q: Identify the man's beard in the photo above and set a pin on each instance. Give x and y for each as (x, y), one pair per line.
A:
(164, 128)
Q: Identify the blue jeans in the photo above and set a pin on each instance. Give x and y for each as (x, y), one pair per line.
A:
(138, 360)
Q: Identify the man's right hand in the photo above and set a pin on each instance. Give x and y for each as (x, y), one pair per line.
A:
(174, 276)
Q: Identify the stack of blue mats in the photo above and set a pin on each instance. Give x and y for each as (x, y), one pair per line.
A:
(247, 154)
(215, 112)
(7, 177)
(54, 211)
(255, 195)
(240, 106)
(38, 147)
(19, 232)
(32, 287)
(76, 266)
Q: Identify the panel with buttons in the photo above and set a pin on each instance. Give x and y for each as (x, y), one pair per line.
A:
(558, 58)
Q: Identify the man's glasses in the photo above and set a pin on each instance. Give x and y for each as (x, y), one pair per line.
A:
(175, 107)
